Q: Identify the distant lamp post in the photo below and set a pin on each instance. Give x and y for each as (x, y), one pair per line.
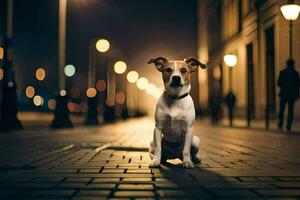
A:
(290, 12)
(102, 46)
(9, 104)
(230, 60)
(230, 99)
(61, 111)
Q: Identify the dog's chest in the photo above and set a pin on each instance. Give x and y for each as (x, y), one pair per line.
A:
(174, 124)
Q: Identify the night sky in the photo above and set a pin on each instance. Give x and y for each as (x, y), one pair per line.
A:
(137, 30)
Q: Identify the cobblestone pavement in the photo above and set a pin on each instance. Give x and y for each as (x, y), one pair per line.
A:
(111, 161)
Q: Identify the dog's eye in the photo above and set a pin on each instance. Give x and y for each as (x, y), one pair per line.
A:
(168, 70)
(183, 70)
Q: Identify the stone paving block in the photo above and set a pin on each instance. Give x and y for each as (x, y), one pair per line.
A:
(101, 186)
(138, 180)
(78, 180)
(105, 180)
(89, 170)
(133, 194)
(93, 193)
(136, 187)
(113, 171)
(237, 193)
(48, 193)
(279, 192)
(291, 185)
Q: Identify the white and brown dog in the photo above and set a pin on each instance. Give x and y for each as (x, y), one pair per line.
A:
(175, 114)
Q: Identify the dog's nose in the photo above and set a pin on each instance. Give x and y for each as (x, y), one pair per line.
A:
(176, 79)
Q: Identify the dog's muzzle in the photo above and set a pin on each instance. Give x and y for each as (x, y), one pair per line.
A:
(176, 81)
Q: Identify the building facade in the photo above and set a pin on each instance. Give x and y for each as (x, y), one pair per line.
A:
(258, 34)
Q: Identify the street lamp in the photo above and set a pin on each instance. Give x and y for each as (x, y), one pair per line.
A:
(290, 12)
(102, 46)
(230, 60)
(61, 112)
(9, 107)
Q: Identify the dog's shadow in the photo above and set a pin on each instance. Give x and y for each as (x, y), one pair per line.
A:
(174, 181)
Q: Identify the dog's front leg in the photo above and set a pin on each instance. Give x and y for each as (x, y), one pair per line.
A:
(186, 154)
(157, 149)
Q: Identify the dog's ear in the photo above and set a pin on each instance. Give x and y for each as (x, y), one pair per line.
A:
(193, 63)
(159, 62)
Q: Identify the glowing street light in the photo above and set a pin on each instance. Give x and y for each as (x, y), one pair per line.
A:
(1, 53)
(40, 74)
(30, 91)
(38, 100)
(91, 92)
(69, 70)
(132, 76)
(142, 83)
(120, 67)
(290, 12)
(102, 45)
(230, 60)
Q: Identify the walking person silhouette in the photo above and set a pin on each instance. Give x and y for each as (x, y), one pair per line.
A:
(289, 83)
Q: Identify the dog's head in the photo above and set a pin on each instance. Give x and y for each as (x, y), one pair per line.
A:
(176, 74)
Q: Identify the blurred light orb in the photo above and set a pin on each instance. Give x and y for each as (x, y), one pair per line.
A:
(63, 93)
(142, 83)
(38, 100)
(69, 70)
(102, 45)
(110, 102)
(217, 73)
(120, 97)
(290, 11)
(132, 76)
(30, 91)
(100, 85)
(91, 92)
(75, 92)
(40, 74)
(151, 89)
(120, 67)
(230, 60)
(1, 73)
(10, 84)
(1, 53)
(51, 104)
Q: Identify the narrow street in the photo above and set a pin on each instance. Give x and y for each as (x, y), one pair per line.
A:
(111, 161)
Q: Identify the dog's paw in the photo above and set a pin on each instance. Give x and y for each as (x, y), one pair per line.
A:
(196, 160)
(188, 164)
(154, 164)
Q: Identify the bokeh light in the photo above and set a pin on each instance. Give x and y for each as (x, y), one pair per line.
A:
(100, 85)
(142, 83)
(40, 74)
(91, 92)
(38, 100)
(132, 76)
(217, 73)
(1, 53)
(1, 73)
(230, 60)
(69, 70)
(52, 104)
(83, 107)
(120, 67)
(102, 45)
(63, 93)
(30, 91)
(120, 97)
(151, 89)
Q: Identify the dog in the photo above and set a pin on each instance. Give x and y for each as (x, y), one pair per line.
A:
(175, 114)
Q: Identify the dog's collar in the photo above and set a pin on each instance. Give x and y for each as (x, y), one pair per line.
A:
(175, 97)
